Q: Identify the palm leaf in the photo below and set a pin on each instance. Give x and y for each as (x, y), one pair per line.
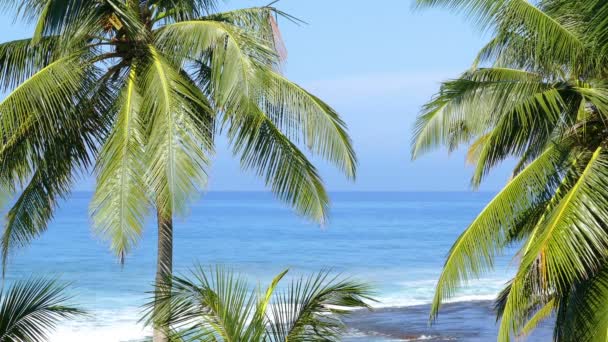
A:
(311, 309)
(583, 314)
(29, 310)
(549, 36)
(179, 142)
(284, 168)
(567, 244)
(305, 118)
(470, 105)
(474, 251)
(214, 305)
(217, 305)
(120, 203)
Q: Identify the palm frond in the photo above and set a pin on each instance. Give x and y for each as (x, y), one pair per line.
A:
(179, 141)
(530, 125)
(564, 258)
(44, 101)
(55, 172)
(474, 251)
(21, 59)
(583, 315)
(548, 36)
(312, 308)
(471, 104)
(227, 49)
(262, 21)
(171, 11)
(306, 119)
(218, 305)
(120, 203)
(284, 168)
(30, 309)
(46, 152)
(215, 304)
(540, 316)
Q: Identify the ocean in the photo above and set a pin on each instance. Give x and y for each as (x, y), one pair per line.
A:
(395, 241)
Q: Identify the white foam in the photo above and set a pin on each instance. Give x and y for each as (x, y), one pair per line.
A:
(117, 332)
(104, 326)
(421, 292)
(122, 325)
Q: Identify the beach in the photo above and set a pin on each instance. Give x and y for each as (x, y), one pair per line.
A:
(471, 321)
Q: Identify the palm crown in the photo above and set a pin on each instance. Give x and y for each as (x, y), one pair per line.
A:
(536, 92)
(139, 89)
(218, 305)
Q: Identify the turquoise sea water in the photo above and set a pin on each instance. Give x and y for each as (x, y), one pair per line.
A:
(397, 241)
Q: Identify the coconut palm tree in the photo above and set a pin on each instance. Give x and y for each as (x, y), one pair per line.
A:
(30, 309)
(218, 305)
(139, 90)
(537, 92)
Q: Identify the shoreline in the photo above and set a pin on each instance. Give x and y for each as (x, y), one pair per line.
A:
(470, 321)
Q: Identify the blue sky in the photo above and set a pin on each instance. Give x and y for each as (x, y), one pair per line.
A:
(376, 63)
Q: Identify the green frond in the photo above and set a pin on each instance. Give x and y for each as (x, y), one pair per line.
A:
(30, 309)
(507, 50)
(531, 124)
(595, 96)
(306, 119)
(548, 36)
(218, 305)
(474, 251)
(567, 244)
(475, 149)
(261, 21)
(583, 315)
(534, 303)
(243, 84)
(470, 105)
(581, 213)
(545, 88)
(55, 17)
(228, 50)
(210, 305)
(51, 181)
(48, 138)
(21, 59)
(284, 168)
(171, 11)
(45, 101)
(120, 203)
(179, 141)
(540, 316)
(312, 308)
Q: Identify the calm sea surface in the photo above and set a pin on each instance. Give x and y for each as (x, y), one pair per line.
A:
(397, 241)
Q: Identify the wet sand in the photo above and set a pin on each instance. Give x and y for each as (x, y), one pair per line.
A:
(463, 321)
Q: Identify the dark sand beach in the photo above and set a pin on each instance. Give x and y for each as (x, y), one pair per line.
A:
(463, 321)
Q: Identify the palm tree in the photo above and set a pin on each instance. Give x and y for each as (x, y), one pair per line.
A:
(140, 89)
(218, 305)
(30, 309)
(537, 92)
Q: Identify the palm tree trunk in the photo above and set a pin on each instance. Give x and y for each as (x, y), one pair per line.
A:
(164, 266)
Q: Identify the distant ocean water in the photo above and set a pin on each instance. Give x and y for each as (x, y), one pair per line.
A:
(396, 241)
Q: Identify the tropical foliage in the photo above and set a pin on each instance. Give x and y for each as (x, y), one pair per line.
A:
(218, 305)
(30, 309)
(537, 92)
(138, 90)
